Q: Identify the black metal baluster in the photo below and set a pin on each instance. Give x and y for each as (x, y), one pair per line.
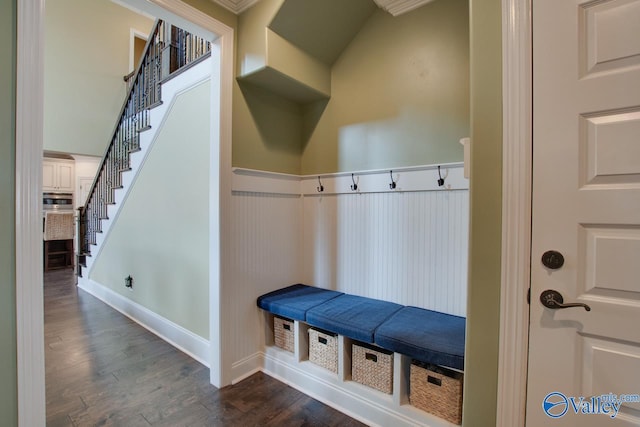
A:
(144, 91)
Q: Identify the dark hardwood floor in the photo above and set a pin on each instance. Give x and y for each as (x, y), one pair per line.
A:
(102, 369)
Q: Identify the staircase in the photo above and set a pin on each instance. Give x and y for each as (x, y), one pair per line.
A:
(169, 50)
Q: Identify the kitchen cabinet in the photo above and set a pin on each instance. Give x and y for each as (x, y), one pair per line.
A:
(58, 175)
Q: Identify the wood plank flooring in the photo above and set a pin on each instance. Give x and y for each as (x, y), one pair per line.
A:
(102, 369)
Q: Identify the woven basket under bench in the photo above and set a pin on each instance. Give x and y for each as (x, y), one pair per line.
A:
(436, 390)
(283, 332)
(323, 349)
(372, 366)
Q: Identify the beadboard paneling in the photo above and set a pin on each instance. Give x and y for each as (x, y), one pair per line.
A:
(266, 254)
(405, 247)
(409, 248)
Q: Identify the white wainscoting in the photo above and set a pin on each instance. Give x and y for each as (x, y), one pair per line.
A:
(408, 248)
(266, 254)
(408, 245)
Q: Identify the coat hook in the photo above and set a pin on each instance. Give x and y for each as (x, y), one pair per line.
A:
(354, 186)
(440, 178)
(392, 185)
(320, 187)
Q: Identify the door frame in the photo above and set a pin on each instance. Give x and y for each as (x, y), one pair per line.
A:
(28, 193)
(517, 145)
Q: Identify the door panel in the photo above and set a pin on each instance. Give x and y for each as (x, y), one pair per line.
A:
(586, 205)
(609, 35)
(611, 148)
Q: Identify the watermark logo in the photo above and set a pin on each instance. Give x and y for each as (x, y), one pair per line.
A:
(557, 404)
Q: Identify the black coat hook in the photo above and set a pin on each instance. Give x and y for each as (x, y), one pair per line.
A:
(354, 186)
(320, 187)
(392, 185)
(440, 178)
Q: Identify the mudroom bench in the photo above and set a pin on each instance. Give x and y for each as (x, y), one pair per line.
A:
(398, 358)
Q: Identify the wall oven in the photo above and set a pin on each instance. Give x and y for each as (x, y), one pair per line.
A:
(57, 202)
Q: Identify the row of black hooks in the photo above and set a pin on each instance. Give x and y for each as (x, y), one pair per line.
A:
(392, 185)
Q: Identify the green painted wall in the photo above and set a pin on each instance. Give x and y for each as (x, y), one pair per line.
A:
(266, 127)
(161, 237)
(322, 28)
(399, 97)
(400, 94)
(85, 60)
(252, 23)
(8, 380)
(483, 314)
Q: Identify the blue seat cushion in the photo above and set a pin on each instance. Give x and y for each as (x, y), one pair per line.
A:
(294, 301)
(352, 316)
(425, 335)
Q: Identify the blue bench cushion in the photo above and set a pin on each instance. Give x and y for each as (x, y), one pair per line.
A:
(425, 335)
(352, 316)
(294, 301)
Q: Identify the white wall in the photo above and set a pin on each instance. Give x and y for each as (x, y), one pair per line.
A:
(161, 234)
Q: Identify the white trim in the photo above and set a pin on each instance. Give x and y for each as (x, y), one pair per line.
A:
(257, 181)
(516, 212)
(398, 7)
(415, 178)
(220, 204)
(28, 227)
(360, 402)
(246, 367)
(179, 337)
(237, 6)
(407, 179)
(220, 171)
(133, 34)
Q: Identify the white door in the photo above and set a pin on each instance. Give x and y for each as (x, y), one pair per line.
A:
(586, 206)
(85, 186)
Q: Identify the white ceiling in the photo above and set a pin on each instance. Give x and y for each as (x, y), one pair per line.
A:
(394, 7)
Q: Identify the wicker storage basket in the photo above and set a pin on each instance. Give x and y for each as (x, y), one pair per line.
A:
(283, 331)
(323, 349)
(436, 390)
(372, 367)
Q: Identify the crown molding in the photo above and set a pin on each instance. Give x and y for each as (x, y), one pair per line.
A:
(398, 7)
(394, 7)
(236, 6)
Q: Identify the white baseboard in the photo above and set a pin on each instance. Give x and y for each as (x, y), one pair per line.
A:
(357, 401)
(246, 367)
(179, 337)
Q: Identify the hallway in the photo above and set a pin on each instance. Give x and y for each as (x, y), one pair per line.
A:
(104, 369)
